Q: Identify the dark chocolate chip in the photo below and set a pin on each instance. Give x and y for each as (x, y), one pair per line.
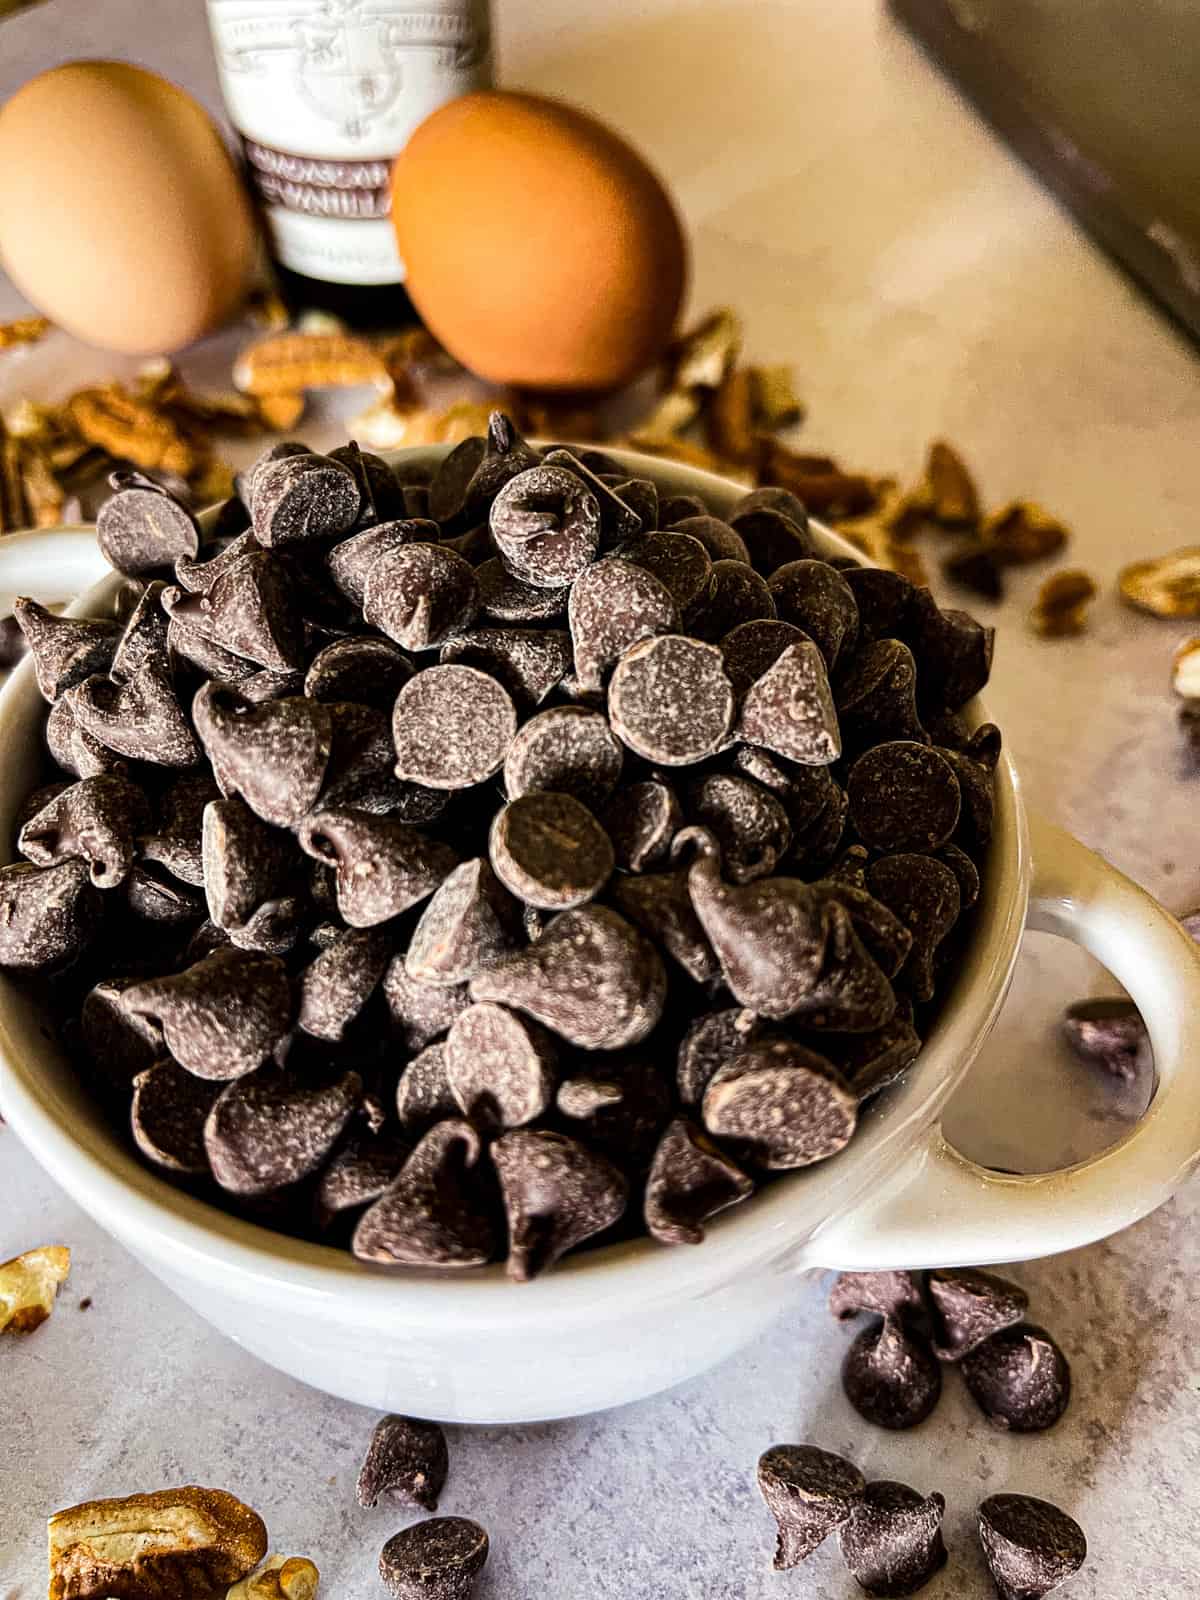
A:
(152, 895)
(140, 718)
(614, 604)
(892, 1540)
(529, 662)
(407, 1460)
(641, 820)
(557, 1193)
(975, 782)
(383, 865)
(48, 915)
(810, 1493)
(505, 599)
(422, 1012)
(591, 977)
(891, 1376)
(430, 1216)
(903, 796)
(774, 526)
(338, 982)
(302, 497)
(250, 611)
(270, 1128)
(564, 750)
(167, 1117)
(670, 700)
(120, 1044)
(1109, 1034)
(449, 487)
(434, 1560)
(360, 1170)
(736, 594)
(470, 923)
(367, 670)
(639, 495)
(97, 820)
(782, 1105)
(752, 648)
(790, 709)
(618, 519)
(1030, 1545)
(620, 1104)
(505, 455)
(690, 1181)
(923, 893)
(680, 563)
(546, 525)
(276, 927)
(661, 905)
(965, 870)
(274, 755)
(1019, 1378)
(813, 597)
(420, 594)
(674, 508)
(423, 1093)
(452, 727)
(876, 695)
(972, 566)
(65, 650)
(882, 598)
(708, 1044)
(188, 644)
(886, 1294)
(722, 542)
(583, 1097)
(350, 561)
(198, 577)
(953, 651)
(885, 936)
(549, 850)
(969, 1306)
(145, 636)
(750, 825)
(500, 1066)
(869, 1062)
(246, 863)
(223, 1016)
(380, 490)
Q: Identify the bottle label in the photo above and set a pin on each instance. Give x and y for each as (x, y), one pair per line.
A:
(324, 94)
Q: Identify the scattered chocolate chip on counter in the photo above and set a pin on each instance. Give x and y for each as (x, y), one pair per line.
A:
(1019, 1378)
(1030, 1545)
(970, 1306)
(438, 1559)
(407, 1461)
(892, 1539)
(891, 1376)
(810, 1493)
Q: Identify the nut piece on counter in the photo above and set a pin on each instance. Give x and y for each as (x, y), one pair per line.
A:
(279, 1578)
(291, 363)
(1021, 532)
(1166, 586)
(1060, 609)
(1185, 670)
(28, 1286)
(175, 1544)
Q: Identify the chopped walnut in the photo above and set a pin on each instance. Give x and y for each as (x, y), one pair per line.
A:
(1060, 609)
(1165, 586)
(29, 1284)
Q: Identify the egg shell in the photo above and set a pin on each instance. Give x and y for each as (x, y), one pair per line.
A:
(541, 250)
(122, 216)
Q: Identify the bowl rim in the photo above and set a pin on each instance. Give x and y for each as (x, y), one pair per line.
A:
(776, 1228)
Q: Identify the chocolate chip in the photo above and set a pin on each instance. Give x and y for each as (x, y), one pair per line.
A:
(270, 1129)
(923, 893)
(120, 1044)
(722, 542)
(420, 594)
(735, 594)
(246, 863)
(972, 566)
(557, 1193)
(407, 1461)
(549, 850)
(48, 915)
(883, 600)
(529, 662)
(891, 1376)
(670, 700)
(434, 1560)
(1019, 1378)
(817, 846)
(153, 895)
(784, 949)
(752, 648)
(965, 870)
(302, 497)
(188, 644)
(1110, 1034)
(223, 1016)
(250, 610)
(144, 637)
(470, 923)
(431, 1216)
(903, 796)
(565, 750)
(500, 1066)
(167, 1117)
(505, 599)
(583, 1097)
(876, 695)
(451, 482)
(380, 490)
(774, 526)
(276, 927)
(969, 1306)
(12, 643)
(349, 562)
(782, 1105)
(690, 1181)
(452, 727)
(887, 1294)
(546, 525)
(97, 820)
(591, 977)
(639, 495)
(338, 982)
(422, 1012)
(506, 454)
(360, 1170)
(367, 670)
(620, 1104)
(641, 820)
(274, 755)
(953, 651)
(708, 1044)
(65, 650)
(661, 906)
(198, 577)
(140, 718)
(614, 604)
(680, 563)
(892, 1540)
(884, 935)
(673, 508)
(423, 1093)
(809, 1492)
(869, 1062)
(813, 597)
(1030, 1545)
(790, 709)
(383, 865)
(618, 519)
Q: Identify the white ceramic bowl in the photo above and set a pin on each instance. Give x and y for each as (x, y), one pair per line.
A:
(622, 1322)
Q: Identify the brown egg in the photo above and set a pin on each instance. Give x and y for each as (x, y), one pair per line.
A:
(122, 216)
(541, 250)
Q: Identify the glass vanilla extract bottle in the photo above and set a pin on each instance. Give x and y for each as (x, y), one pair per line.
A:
(324, 94)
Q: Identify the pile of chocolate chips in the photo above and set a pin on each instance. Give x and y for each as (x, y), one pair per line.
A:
(467, 866)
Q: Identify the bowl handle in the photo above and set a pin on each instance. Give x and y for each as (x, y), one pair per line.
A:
(939, 1209)
(50, 565)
